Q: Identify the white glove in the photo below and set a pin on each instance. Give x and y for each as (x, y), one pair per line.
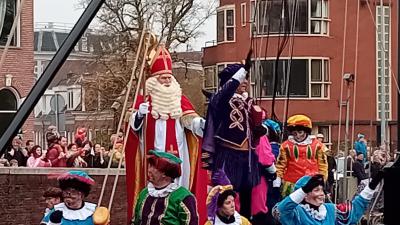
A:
(271, 169)
(198, 124)
(240, 75)
(277, 182)
(143, 109)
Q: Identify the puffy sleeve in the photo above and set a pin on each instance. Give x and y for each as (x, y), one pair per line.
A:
(282, 160)
(286, 209)
(322, 161)
(351, 213)
(187, 213)
(245, 221)
(227, 91)
(188, 112)
(137, 122)
(46, 219)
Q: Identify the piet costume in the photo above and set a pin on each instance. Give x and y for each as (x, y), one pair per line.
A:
(80, 181)
(297, 159)
(215, 200)
(171, 205)
(171, 125)
(295, 210)
(228, 139)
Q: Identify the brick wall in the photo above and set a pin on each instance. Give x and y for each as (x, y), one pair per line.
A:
(21, 189)
(20, 64)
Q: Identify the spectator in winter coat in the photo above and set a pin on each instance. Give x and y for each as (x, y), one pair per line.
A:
(55, 153)
(16, 152)
(38, 159)
(358, 168)
(74, 158)
(28, 146)
(361, 146)
(100, 159)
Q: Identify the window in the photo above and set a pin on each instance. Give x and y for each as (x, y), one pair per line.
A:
(243, 14)
(226, 24)
(70, 100)
(273, 17)
(383, 61)
(84, 44)
(38, 70)
(8, 108)
(326, 131)
(305, 75)
(319, 78)
(210, 78)
(319, 17)
(8, 10)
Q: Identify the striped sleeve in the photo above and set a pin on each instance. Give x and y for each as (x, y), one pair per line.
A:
(188, 214)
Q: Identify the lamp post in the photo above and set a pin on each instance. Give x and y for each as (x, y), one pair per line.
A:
(349, 79)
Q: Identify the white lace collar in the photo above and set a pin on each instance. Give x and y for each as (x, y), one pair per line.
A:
(241, 96)
(162, 192)
(306, 141)
(319, 214)
(238, 220)
(80, 214)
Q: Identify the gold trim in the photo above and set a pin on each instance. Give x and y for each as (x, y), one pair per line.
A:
(187, 212)
(166, 200)
(222, 139)
(153, 206)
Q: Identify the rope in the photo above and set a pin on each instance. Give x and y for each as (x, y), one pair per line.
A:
(253, 45)
(355, 77)
(289, 68)
(266, 45)
(281, 47)
(11, 35)
(122, 113)
(127, 132)
(341, 83)
(340, 101)
(258, 58)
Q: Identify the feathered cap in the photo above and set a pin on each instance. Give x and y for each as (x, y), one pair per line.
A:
(161, 63)
(76, 179)
(303, 181)
(272, 125)
(165, 162)
(218, 194)
(300, 122)
(227, 73)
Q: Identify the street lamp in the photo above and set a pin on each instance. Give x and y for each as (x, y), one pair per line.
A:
(349, 79)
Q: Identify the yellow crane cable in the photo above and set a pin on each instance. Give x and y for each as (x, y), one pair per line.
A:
(122, 114)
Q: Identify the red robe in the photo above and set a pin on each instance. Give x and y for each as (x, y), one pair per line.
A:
(136, 165)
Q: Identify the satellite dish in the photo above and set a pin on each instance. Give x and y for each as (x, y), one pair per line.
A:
(57, 103)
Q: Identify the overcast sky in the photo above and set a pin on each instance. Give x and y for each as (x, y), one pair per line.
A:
(65, 11)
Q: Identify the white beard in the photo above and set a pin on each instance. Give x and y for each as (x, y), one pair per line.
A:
(165, 101)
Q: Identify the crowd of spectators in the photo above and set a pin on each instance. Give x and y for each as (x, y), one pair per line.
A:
(82, 153)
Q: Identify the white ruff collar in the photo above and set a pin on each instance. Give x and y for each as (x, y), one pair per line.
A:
(153, 192)
(243, 97)
(319, 214)
(306, 141)
(80, 214)
(238, 220)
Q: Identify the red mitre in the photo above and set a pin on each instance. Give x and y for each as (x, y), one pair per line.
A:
(162, 62)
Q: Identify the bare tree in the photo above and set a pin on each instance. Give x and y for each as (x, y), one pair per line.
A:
(175, 21)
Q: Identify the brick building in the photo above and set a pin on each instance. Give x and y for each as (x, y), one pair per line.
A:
(21, 191)
(16, 75)
(320, 41)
